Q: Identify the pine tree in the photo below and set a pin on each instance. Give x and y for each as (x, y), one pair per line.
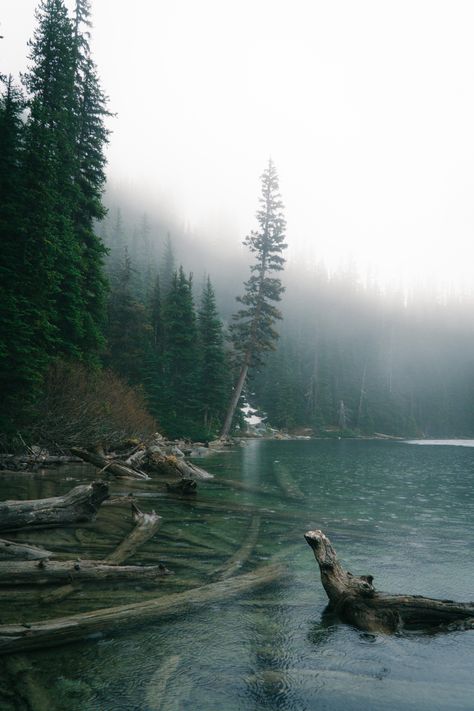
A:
(50, 167)
(254, 333)
(213, 385)
(167, 266)
(22, 360)
(128, 329)
(90, 137)
(153, 371)
(180, 361)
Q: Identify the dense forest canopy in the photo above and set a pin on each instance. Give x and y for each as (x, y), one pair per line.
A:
(102, 293)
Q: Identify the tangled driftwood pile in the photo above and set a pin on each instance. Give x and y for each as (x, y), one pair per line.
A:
(25, 567)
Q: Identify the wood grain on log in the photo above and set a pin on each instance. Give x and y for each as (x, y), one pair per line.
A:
(54, 572)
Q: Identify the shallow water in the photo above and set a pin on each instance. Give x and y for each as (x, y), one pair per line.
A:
(399, 512)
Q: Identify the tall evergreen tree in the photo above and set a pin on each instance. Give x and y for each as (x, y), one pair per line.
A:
(90, 137)
(22, 358)
(153, 371)
(253, 331)
(128, 330)
(180, 364)
(213, 384)
(167, 266)
(49, 171)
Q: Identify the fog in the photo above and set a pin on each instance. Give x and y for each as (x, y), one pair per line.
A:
(366, 108)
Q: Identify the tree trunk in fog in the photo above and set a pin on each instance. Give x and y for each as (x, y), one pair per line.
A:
(235, 399)
(355, 600)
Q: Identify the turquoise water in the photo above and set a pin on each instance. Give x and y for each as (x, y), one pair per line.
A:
(401, 512)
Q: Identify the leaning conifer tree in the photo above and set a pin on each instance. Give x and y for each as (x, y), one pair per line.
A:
(253, 332)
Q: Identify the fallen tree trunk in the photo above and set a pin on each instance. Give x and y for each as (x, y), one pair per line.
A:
(286, 482)
(183, 487)
(10, 550)
(115, 467)
(146, 526)
(49, 633)
(49, 572)
(169, 464)
(355, 600)
(79, 504)
(240, 557)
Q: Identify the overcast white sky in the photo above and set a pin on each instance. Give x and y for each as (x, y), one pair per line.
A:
(367, 109)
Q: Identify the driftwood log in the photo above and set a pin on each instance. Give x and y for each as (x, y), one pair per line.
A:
(151, 459)
(78, 505)
(48, 633)
(240, 557)
(55, 572)
(183, 487)
(11, 550)
(355, 600)
(154, 459)
(146, 525)
(115, 467)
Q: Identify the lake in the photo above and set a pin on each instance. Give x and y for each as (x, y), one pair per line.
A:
(401, 512)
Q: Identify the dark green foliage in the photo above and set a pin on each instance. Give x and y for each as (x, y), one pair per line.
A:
(154, 352)
(128, 329)
(180, 360)
(22, 358)
(167, 266)
(52, 166)
(214, 374)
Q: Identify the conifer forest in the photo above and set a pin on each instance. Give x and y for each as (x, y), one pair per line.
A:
(93, 288)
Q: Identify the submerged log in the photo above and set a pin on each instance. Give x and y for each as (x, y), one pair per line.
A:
(355, 600)
(10, 550)
(115, 467)
(183, 487)
(241, 556)
(53, 572)
(78, 505)
(286, 482)
(146, 525)
(156, 689)
(48, 633)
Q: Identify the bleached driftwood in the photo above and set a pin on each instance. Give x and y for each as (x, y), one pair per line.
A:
(78, 505)
(146, 525)
(115, 467)
(355, 600)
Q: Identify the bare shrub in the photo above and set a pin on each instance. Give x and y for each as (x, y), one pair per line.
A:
(88, 408)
